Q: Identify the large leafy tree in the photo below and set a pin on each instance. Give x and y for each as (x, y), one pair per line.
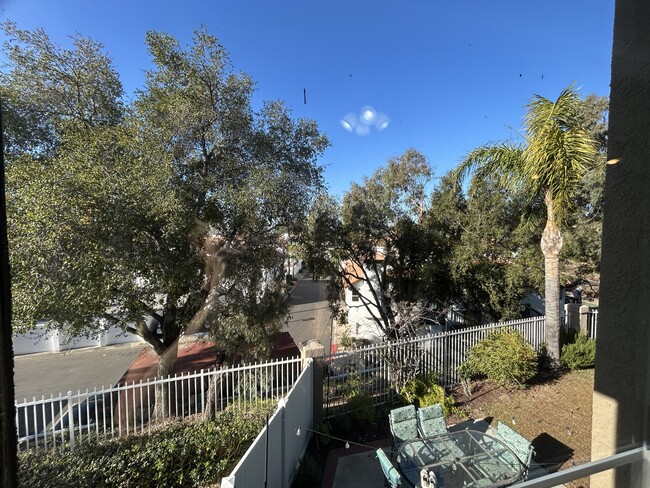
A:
(375, 235)
(166, 214)
(247, 179)
(547, 166)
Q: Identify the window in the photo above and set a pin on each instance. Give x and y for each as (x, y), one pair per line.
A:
(355, 295)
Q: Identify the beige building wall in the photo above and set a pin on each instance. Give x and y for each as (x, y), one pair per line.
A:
(621, 401)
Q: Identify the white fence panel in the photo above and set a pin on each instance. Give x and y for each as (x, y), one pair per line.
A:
(64, 421)
(592, 323)
(273, 457)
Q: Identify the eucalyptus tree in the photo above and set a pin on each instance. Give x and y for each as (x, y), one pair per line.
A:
(547, 166)
(375, 235)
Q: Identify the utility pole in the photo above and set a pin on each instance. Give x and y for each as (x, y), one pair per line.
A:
(9, 475)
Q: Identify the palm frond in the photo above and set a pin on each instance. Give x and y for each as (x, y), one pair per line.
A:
(502, 162)
(558, 149)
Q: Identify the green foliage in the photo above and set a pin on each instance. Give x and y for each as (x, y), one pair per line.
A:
(181, 454)
(361, 406)
(546, 168)
(503, 357)
(496, 257)
(386, 211)
(423, 392)
(348, 341)
(172, 206)
(579, 354)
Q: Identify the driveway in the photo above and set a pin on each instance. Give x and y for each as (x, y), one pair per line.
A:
(57, 372)
(310, 315)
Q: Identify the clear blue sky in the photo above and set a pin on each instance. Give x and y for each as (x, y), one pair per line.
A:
(449, 75)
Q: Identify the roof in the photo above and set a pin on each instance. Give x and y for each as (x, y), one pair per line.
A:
(354, 271)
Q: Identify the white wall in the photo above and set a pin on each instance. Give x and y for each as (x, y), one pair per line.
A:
(39, 340)
(361, 323)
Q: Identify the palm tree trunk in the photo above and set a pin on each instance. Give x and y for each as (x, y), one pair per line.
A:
(551, 246)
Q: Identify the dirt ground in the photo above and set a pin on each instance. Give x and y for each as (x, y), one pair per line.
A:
(555, 413)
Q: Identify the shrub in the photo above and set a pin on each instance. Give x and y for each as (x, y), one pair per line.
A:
(361, 406)
(580, 354)
(424, 392)
(181, 454)
(503, 357)
(346, 340)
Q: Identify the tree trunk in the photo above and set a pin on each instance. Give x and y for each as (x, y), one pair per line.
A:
(551, 246)
(164, 405)
(167, 351)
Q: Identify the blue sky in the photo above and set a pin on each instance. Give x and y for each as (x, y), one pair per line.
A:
(449, 75)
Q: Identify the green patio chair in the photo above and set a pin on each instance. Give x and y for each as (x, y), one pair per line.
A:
(518, 444)
(431, 421)
(391, 475)
(403, 425)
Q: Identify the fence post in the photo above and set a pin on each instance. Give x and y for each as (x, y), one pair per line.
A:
(315, 350)
(584, 319)
(70, 420)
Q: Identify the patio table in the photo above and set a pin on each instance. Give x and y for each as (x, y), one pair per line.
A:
(466, 458)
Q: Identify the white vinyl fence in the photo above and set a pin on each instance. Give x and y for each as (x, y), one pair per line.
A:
(275, 454)
(592, 323)
(65, 421)
(375, 368)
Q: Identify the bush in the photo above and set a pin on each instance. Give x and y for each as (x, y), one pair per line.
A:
(503, 357)
(580, 354)
(181, 454)
(361, 406)
(347, 341)
(423, 392)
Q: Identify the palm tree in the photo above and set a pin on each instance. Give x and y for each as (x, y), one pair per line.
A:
(548, 165)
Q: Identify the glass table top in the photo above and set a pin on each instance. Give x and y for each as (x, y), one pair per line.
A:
(465, 458)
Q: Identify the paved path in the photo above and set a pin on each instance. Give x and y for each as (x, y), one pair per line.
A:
(310, 315)
(57, 372)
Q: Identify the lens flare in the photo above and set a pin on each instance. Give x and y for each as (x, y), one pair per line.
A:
(368, 117)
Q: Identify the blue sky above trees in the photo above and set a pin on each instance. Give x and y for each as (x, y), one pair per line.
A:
(449, 75)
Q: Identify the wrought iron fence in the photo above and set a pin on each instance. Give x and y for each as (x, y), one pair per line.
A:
(375, 369)
(65, 421)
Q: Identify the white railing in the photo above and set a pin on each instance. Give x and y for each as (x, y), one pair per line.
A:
(375, 368)
(273, 457)
(65, 421)
(632, 456)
